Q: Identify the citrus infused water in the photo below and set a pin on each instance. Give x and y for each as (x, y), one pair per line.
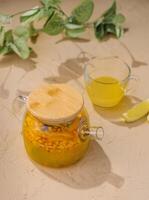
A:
(105, 91)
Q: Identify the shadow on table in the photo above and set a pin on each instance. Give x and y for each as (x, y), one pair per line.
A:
(13, 60)
(93, 170)
(70, 69)
(114, 114)
(135, 63)
(75, 40)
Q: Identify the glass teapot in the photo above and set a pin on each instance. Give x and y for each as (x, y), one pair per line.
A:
(56, 128)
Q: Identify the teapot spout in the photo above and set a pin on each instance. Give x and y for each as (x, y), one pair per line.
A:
(95, 133)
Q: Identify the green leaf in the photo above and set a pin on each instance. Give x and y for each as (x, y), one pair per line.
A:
(99, 21)
(83, 12)
(109, 22)
(5, 50)
(99, 31)
(2, 35)
(73, 26)
(74, 33)
(29, 14)
(119, 31)
(48, 3)
(21, 48)
(114, 29)
(32, 31)
(118, 19)
(8, 37)
(71, 20)
(5, 19)
(32, 15)
(26, 32)
(48, 11)
(55, 25)
(22, 31)
(111, 11)
(74, 30)
(110, 28)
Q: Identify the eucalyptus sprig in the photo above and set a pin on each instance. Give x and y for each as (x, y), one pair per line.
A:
(56, 21)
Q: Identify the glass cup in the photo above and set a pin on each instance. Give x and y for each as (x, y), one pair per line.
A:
(107, 80)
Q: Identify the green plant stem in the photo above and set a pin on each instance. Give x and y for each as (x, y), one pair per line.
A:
(89, 24)
(60, 10)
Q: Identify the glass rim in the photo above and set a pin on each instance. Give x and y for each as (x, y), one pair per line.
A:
(117, 58)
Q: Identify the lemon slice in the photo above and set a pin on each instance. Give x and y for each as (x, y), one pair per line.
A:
(148, 117)
(137, 112)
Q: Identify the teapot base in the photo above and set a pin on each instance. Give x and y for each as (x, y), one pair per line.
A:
(56, 159)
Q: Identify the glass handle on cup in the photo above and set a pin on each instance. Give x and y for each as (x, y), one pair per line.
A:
(131, 89)
(86, 59)
(86, 72)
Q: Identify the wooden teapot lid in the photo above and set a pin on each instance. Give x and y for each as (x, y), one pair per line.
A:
(55, 103)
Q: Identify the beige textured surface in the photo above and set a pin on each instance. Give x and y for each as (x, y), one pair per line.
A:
(118, 168)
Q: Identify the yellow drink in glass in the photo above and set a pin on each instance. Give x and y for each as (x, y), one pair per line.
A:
(105, 91)
(107, 80)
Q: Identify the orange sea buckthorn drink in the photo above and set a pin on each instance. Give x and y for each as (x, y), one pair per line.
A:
(56, 127)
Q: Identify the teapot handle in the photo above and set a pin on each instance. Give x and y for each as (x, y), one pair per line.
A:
(22, 98)
(18, 105)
